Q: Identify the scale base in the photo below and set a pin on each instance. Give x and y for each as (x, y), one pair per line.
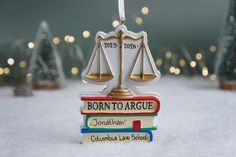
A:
(120, 93)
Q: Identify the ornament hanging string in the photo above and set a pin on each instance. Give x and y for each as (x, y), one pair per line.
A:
(121, 9)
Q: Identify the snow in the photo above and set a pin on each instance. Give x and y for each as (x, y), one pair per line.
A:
(196, 120)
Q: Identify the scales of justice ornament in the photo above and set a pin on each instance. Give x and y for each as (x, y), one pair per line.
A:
(121, 60)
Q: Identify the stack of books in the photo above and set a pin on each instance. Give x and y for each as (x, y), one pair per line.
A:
(116, 120)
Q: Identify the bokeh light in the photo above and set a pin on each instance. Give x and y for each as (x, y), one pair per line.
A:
(31, 45)
(86, 34)
(115, 23)
(56, 40)
(139, 20)
(10, 61)
(145, 10)
(193, 64)
(22, 64)
(74, 71)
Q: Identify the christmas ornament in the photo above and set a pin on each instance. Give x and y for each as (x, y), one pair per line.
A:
(45, 64)
(226, 59)
(121, 60)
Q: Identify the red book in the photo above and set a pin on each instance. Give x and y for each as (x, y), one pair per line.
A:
(107, 105)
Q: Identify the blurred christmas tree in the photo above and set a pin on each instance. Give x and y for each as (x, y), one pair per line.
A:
(45, 64)
(226, 59)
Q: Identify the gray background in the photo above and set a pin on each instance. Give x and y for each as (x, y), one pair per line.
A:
(196, 23)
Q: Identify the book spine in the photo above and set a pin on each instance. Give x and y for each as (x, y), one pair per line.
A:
(119, 122)
(138, 105)
(124, 136)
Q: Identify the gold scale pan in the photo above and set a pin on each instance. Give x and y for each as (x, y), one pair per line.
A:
(142, 76)
(100, 77)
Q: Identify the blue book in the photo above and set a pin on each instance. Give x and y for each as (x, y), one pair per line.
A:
(115, 136)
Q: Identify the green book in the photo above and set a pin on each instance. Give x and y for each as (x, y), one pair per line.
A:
(111, 122)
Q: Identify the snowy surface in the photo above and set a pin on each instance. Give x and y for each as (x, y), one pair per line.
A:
(196, 120)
